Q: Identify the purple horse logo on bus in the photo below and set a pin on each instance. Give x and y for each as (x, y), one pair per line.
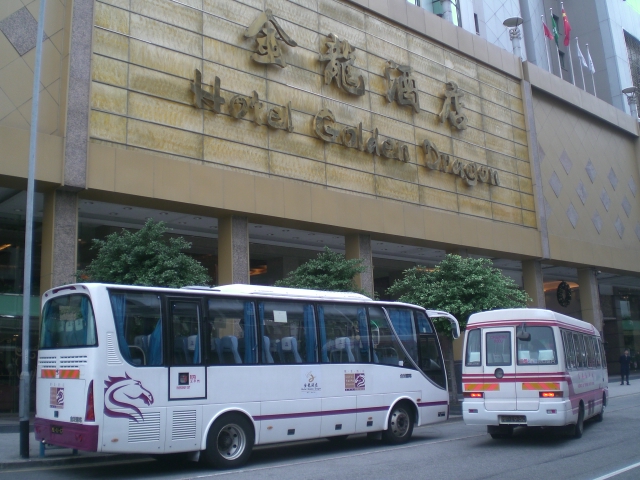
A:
(124, 393)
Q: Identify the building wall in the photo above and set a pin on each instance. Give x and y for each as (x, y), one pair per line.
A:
(144, 60)
(589, 175)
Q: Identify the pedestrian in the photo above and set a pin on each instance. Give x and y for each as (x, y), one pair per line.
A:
(625, 364)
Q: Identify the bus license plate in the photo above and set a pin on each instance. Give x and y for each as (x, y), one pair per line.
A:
(56, 430)
(513, 419)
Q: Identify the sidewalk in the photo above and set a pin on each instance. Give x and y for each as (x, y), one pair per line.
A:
(10, 442)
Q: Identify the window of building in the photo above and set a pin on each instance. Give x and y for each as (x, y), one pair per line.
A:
(562, 60)
(414, 2)
(456, 18)
(633, 50)
(475, 20)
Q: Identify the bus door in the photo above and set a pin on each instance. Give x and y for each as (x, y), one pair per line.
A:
(187, 374)
(499, 370)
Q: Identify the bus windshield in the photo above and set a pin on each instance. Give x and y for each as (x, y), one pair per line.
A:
(68, 321)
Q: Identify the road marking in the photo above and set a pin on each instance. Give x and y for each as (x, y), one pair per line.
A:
(78, 465)
(618, 472)
(339, 457)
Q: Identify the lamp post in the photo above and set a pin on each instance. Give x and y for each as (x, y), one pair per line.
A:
(632, 97)
(512, 24)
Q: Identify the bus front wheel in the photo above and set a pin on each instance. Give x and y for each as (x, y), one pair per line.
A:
(400, 425)
(229, 442)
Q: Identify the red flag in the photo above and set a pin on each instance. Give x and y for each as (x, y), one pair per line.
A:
(567, 28)
(547, 32)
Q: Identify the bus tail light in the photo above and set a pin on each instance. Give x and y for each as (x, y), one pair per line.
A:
(473, 395)
(90, 414)
(550, 394)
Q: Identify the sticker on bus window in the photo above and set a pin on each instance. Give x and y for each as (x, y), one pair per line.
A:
(499, 337)
(311, 381)
(354, 381)
(280, 316)
(56, 397)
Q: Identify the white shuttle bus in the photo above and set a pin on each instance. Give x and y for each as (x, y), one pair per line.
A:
(215, 371)
(532, 367)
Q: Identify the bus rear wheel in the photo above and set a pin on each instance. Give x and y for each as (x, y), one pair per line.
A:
(400, 427)
(577, 430)
(229, 442)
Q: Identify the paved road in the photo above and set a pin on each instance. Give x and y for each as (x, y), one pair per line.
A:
(447, 451)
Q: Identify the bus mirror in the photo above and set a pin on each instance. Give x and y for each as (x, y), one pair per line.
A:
(455, 326)
(523, 335)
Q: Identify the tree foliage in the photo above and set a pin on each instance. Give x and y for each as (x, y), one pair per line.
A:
(328, 271)
(144, 257)
(460, 286)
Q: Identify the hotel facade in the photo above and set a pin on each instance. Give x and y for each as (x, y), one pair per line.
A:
(263, 130)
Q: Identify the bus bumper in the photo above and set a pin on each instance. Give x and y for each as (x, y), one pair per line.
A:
(549, 414)
(65, 434)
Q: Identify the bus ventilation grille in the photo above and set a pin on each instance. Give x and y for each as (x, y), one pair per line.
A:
(48, 362)
(112, 356)
(147, 430)
(73, 361)
(184, 425)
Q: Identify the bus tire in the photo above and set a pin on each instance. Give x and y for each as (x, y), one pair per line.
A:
(599, 417)
(229, 442)
(577, 430)
(400, 426)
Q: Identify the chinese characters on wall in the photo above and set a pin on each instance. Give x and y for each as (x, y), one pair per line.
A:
(340, 58)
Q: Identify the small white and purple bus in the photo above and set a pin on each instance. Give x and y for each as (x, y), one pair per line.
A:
(532, 367)
(215, 371)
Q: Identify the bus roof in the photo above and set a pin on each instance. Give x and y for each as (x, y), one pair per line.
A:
(523, 314)
(241, 289)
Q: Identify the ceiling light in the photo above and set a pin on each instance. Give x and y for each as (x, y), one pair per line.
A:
(214, 227)
(257, 226)
(197, 218)
(113, 213)
(87, 202)
(285, 229)
(163, 213)
(296, 238)
(127, 208)
(5, 246)
(182, 223)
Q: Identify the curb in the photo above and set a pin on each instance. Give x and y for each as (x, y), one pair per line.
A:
(71, 460)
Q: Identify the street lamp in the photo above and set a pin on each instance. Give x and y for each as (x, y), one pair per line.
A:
(632, 98)
(512, 24)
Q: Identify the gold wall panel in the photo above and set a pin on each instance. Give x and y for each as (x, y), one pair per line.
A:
(146, 53)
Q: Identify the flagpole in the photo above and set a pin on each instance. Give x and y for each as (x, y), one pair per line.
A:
(557, 48)
(573, 77)
(592, 77)
(546, 46)
(580, 62)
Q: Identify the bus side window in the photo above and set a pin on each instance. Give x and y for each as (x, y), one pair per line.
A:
(591, 356)
(386, 349)
(581, 354)
(473, 355)
(231, 332)
(569, 353)
(402, 320)
(288, 332)
(138, 322)
(343, 338)
(596, 351)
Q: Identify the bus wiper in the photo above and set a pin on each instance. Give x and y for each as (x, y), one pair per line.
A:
(523, 335)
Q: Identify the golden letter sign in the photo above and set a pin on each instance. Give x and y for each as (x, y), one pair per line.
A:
(264, 28)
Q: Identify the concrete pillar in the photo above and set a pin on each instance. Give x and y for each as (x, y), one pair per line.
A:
(590, 297)
(233, 250)
(359, 246)
(58, 263)
(533, 283)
